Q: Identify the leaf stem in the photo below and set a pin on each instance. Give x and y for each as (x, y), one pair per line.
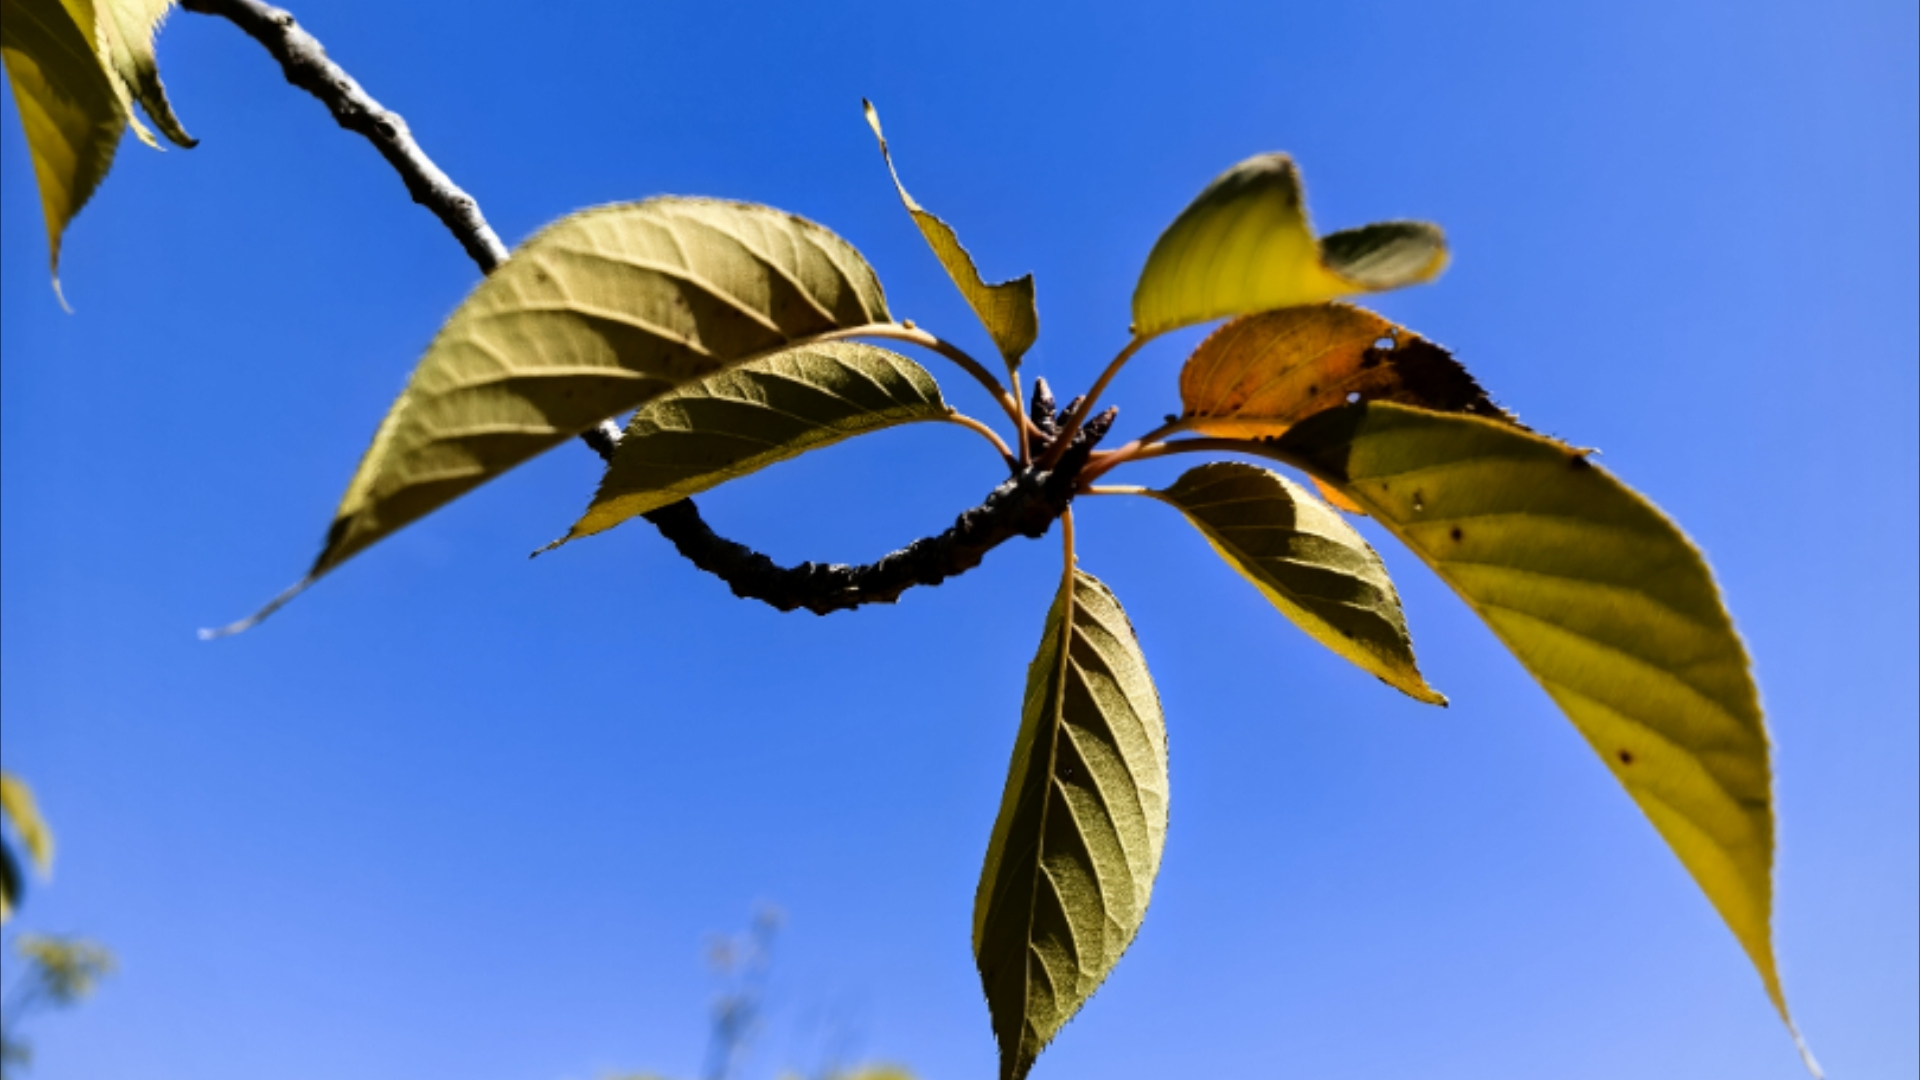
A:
(987, 433)
(1079, 415)
(1131, 452)
(914, 335)
(1115, 489)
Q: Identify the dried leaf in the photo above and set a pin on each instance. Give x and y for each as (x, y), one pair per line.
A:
(1007, 310)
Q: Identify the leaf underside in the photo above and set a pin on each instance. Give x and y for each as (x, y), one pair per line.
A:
(1258, 375)
(1308, 562)
(1071, 864)
(1244, 245)
(600, 312)
(757, 414)
(1007, 310)
(1605, 602)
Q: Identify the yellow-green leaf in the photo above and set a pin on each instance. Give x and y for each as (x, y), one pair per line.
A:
(600, 312)
(1259, 374)
(1605, 602)
(1075, 849)
(1007, 310)
(127, 29)
(1245, 245)
(16, 800)
(75, 68)
(758, 414)
(1306, 560)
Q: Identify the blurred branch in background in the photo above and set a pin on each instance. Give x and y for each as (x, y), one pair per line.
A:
(742, 963)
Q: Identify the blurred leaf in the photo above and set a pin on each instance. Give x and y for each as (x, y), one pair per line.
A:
(1071, 864)
(1007, 310)
(76, 68)
(17, 802)
(758, 414)
(10, 882)
(1308, 562)
(1605, 602)
(67, 968)
(1245, 245)
(1258, 375)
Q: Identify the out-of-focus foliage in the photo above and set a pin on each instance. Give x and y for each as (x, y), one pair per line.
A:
(77, 67)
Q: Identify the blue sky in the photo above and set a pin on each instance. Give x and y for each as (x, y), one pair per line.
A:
(456, 813)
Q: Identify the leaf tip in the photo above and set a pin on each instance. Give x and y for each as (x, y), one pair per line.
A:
(258, 617)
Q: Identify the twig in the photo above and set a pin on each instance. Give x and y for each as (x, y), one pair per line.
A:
(307, 67)
(1025, 505)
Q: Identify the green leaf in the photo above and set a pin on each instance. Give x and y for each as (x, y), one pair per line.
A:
(1077, 844)
(1306, 560)
(1007, 310)
(75, 69)
(1245, 245)
(17, 802)
(598, 313)
(1605, 602)
(752, 416)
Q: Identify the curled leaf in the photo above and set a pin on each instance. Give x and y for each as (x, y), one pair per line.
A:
(758, 414)
(1606, 603)
(1308, 562)
(1071, 864)
(1245, 245)
(1007, 310)
(1260, 374)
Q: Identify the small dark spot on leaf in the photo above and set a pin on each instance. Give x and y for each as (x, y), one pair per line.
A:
(1626, 757)
(1457, 534)
(1312, 389)
(1578, 462)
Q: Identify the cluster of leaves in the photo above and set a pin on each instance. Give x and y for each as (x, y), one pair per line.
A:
(728, 329)
(59, 971)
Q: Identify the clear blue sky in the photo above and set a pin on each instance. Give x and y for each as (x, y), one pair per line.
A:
(454, 813)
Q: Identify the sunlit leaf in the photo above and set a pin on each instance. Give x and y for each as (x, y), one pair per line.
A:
(598, 313)
(1258, 375)
(1075, 849)
(1605, 602)
(75, 68)
(1245, 245)
(1007, 309)
(1306, 560)
(758, 414)
(16, 800)
(127, 29)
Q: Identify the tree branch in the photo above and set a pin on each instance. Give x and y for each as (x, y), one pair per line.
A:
(1026, 505)
(307, 67)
